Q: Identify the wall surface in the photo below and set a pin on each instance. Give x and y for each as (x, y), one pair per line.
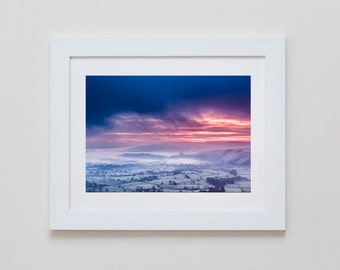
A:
(312, 239)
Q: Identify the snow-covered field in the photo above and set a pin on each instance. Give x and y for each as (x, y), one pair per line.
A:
(207, 171)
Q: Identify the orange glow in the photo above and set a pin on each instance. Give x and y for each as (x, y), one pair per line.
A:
(209, 119)
(203, 127)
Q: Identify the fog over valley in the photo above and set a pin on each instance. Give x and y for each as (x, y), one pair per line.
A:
(168, 169)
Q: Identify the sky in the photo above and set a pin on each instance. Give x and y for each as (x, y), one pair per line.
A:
(141, 110)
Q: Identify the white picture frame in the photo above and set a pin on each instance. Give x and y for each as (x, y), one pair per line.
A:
(71, 208)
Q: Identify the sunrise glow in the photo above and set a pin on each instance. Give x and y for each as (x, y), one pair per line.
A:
(202, 127)
(184, 109)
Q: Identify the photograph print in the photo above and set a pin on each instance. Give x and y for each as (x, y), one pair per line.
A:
(184, 134)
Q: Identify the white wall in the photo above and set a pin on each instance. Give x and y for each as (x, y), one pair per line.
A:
(312, 239)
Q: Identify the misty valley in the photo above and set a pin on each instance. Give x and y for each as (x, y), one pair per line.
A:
(207, 171)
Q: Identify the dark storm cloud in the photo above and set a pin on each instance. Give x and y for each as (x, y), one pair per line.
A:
(107, 96)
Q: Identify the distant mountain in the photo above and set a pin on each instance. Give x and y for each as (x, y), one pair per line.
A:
(188, 147)
(168, 147)
(142, 155)
(240, 157)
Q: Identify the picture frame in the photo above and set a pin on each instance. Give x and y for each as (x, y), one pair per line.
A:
(72, 59)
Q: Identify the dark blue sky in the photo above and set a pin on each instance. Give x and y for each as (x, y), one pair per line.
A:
(110, 95)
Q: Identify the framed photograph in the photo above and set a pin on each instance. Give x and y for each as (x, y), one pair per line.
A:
(167, 134)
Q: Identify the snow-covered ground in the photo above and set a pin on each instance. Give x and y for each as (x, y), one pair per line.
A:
(209, 171)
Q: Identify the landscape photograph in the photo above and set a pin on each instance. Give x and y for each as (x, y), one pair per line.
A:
(149, 133)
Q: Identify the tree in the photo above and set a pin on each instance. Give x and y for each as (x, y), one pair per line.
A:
(233, 172)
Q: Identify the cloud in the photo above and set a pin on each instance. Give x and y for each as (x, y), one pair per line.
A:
(137, 129)
(107, 96)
